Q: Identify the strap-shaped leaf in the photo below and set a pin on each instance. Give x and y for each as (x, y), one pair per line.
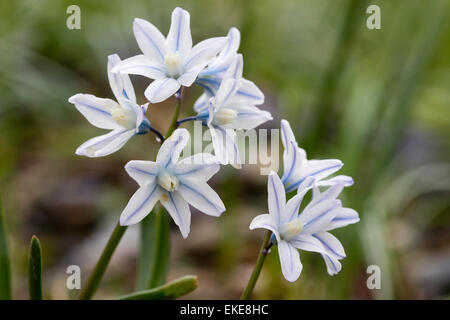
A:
(5, 268)
(35, 269)
(154, 250)
(171, 290)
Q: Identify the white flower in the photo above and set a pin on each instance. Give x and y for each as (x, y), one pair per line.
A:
(171, 61)
(297, 167)
(306, 231)
(229, 111)
(211, 77)
(125, 117)
(176, 184)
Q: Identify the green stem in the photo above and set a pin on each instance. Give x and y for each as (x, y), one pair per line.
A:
(173, 124)
(258, 266)
(102, 263)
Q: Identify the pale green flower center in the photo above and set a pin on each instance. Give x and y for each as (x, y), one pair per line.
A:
(289, 230)
(224, 116)
(168, 181)
(124, 118)
(174, 64)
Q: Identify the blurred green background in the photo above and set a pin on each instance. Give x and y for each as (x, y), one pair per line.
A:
(376, 99)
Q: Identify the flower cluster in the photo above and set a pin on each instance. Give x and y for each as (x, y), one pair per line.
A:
(308, 230)
(229, 103)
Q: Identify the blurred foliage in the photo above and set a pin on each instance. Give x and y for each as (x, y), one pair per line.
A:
(377, 99)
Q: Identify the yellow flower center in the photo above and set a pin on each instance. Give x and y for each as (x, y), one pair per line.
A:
(174, 64)
(289, 230)
(168, 181)
(224, 116)
(124, 118)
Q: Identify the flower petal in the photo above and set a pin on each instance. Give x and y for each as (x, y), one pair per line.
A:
(344, 217)
(202, 103)
(201, 196)
(201, 165)
(225, 146)
(307, 242)
(150, 40)
(188, 78)
(333, 264)
(141, 65)
(265, 221)
(95, 110)
(235, 69)
(319, 169)
(143, 172)
(120, 83)
(161, 89)
(179, 38)
(346, 180)
(331, 193)
(249, 118)
(290, 261)
(227, 89)
(286, 134)
(106, 144)
(178, 209)
(249, 92)
(292, 207)
(331, 244)
(140, 204)
(317, 217)
(171, 148)
(230, 49)
(202, 53)
(276, 197)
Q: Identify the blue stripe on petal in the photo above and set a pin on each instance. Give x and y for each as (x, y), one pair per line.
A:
(201, 195)
(149, 38)
(177, 211)
(143, 203)
(296, 184)
(319, 216)
(93, 108)
(328, 246)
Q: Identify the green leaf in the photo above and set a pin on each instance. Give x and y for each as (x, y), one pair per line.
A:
(35, 269)
(171, 290)
(5, 271)
(154, 250)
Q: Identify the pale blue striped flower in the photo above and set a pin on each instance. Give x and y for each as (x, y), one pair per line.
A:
(230, 110)
(172, 62)
(175, 183)
(125, 118)
(297, 167)
(309, 230)
(211, 77)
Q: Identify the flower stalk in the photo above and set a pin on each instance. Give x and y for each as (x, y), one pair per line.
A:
(265, 249)
(102, 263)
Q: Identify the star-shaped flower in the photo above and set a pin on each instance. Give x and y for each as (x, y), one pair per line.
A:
(229, 110)
(125, 117)
(297, 167)
(172, 62)
(176, 184)
(211, 77)
(308, 230)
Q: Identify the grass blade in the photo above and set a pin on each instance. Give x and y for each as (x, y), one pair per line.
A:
(171, 290)
(35, 269)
